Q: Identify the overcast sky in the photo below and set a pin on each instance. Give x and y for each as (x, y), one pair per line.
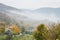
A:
(31, 4)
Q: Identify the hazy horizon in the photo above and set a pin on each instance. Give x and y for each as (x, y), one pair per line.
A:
(31, 4)
(51, 11)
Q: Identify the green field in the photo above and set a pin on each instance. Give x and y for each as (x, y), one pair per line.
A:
(23, 37)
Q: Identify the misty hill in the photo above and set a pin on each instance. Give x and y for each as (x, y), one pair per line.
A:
(13, 17)
(48, 10)
(24, 15)
(5, 7)
(50, 13)
(5, 18)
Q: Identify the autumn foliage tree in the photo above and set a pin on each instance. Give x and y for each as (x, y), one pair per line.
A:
(15, 29)
(40, 33)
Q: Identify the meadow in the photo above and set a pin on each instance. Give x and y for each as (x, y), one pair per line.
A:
(23, 37)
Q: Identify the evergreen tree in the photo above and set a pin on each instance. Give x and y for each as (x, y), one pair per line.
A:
(40, 33)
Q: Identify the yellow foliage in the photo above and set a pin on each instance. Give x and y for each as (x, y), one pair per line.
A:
(15, 29)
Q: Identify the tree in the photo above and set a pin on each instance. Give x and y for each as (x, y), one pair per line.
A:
(2, 28)
(40, 33)
(23, 29)
(15, 29)
(57, 31)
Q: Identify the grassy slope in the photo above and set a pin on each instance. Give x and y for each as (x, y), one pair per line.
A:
(25, 37)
